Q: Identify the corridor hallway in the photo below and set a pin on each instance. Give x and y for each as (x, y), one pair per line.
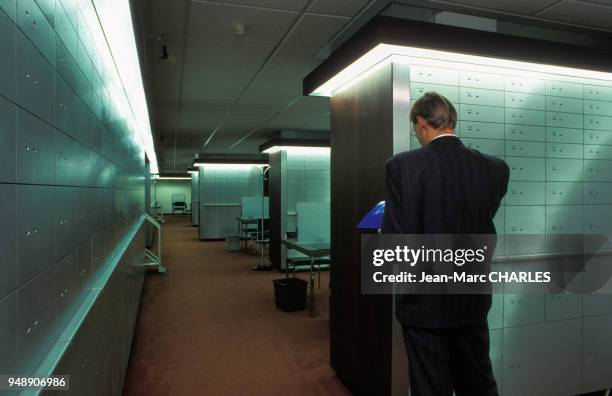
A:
(210, 327)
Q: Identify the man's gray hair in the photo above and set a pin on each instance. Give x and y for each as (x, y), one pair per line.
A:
(438, 111)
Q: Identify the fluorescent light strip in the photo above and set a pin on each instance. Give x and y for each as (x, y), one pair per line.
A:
(229, 166)
(110, 24)
(298, 149)
(383, 54)
(193, 172)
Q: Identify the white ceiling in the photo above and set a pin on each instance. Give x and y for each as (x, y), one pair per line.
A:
(223, 92)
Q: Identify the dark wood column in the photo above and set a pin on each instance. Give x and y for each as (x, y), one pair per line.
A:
(361, 141)
(276, 208)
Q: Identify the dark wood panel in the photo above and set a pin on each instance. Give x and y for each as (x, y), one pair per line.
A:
(361, 141)
(275, 189)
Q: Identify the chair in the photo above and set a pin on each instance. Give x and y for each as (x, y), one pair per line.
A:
(179, 204)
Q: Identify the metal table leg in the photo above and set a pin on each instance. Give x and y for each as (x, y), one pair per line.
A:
(312, 286)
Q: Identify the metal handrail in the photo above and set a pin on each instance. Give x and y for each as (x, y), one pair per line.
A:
(156, 259)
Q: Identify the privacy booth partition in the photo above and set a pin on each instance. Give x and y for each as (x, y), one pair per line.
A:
(544, 107)
(299, 193)
(223, 181)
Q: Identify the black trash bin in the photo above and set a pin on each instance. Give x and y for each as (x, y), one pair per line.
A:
(290, 294)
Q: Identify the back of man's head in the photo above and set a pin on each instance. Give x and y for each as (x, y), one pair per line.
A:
(437, 111)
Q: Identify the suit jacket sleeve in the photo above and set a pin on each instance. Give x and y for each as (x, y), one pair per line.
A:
(392, 218)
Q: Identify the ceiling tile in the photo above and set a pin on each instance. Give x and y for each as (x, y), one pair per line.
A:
(337, 7)
(306, 110)
(167, 17)
(291, 5)
(322, 123)
(282, 77)
(204, 117)
(314, 31)
(525, 7)
(215, 22)
(578, 12)
(229, 58)
(200, 84)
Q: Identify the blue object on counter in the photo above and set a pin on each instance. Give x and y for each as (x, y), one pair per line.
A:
(373, 220)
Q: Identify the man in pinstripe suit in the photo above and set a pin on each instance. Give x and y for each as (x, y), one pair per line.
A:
(444, 188)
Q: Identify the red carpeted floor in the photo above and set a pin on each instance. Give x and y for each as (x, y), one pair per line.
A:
(210, 327)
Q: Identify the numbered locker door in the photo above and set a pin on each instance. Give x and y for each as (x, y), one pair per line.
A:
(597, 353)
(542, 359)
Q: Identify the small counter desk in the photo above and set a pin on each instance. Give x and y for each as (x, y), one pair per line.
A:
(313, 250)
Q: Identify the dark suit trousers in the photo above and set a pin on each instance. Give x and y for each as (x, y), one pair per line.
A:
(444, 360)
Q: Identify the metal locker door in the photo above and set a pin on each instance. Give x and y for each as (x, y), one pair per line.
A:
(564, 135)
(469, 112)
(8, 137)
(564, 89)
(525, 85)
(481, 80)
(568, 105)
(85, 264)
(35, 80)
(36, 27)
(35, 150)
(597, 137)
(8, 334)
(597, 219)
(561, 306)
(542, 359)
(598, 193)
(564, 120)
(8, 239)
(82, 125)
(598, 171)
(596, 92)
(8, 70)
(485, 97)
(434, 75)
(603, 123)
(66, 160)
(521, 148)
(597, 107)
(525, 193)
(84, 218)
(474, 129)
(83, 164)
(526, 169)
(564, 150)
(65, 29)
(450, 92)
(530, 133)
(596, 353)
(564, 193)
(525, 117)
(524, 101)
(563, 169)
(37, 326)
(487, 146)
(66, 288)
(65, 107)
(564, 219)
(523, 309)
(525, 219)
(597, 152)
(35, 233)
